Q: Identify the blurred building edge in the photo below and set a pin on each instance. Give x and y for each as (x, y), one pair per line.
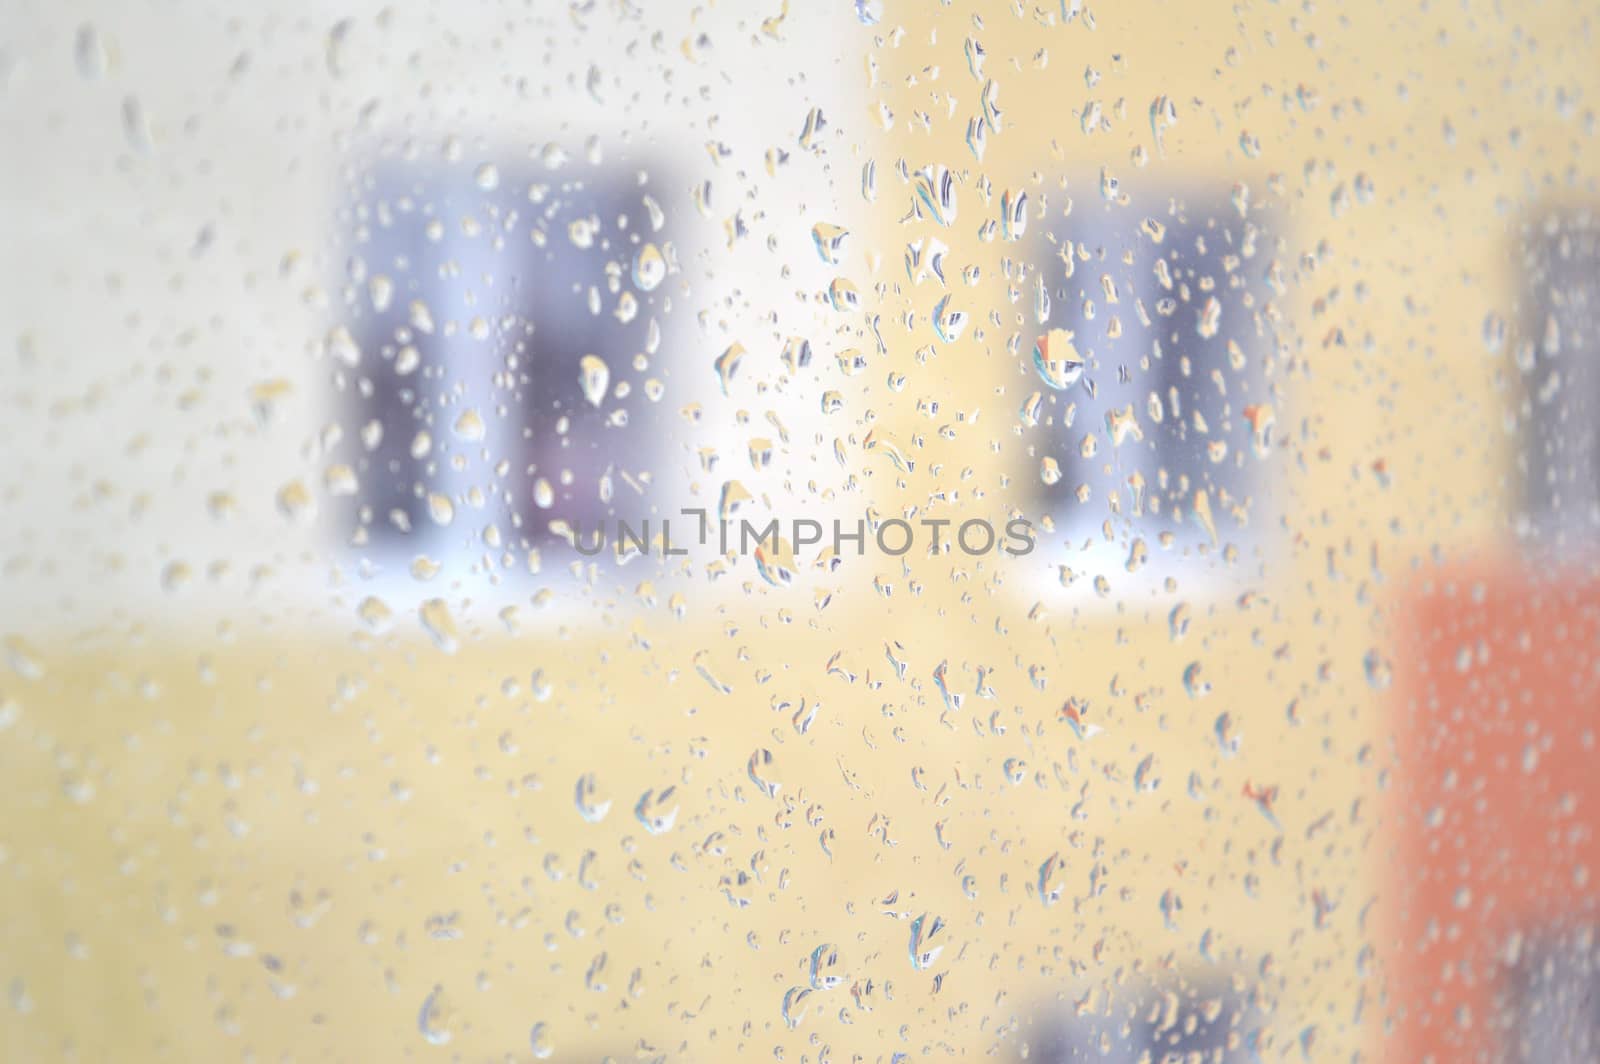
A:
(1557, 352)
(1490, 911)
(1200, 1015)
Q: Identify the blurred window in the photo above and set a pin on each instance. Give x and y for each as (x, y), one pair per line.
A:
(509, 332)
(1558, 356)
(1157, 1022)
(1554, 1000)
(1170, 319)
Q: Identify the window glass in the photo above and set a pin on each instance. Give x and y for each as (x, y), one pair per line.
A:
(871, 530)
(1165, 404)
(535, 395)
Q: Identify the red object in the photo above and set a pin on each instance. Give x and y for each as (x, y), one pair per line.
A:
(1494, 799)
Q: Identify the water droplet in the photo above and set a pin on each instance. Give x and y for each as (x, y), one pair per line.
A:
(1494, 332)
(581, 232)
(1228, 740)
(824, 962)
(936, 190)
(1170, 905)
(441, 509)
(595, 376)
(977, 137)
(136, 126)
(811, 132)
(973, 49)
(590, 807)
(295, 502)
(421, 317)
(926, 941)
(656, 811)
(439, 624)
(796, 354)
(90, 52)
(337, 46)
(435, 1018)
(469, 425)
(948, 322)
(1194, 682)
(1163, 116)
(1145, 777)
(733, 496)
(1209, 318)
(727, 364)
(869, 12)
(1057, 360)
(380, 290)
(794, 1006)
(842, 295)
(1013, 215)
(544, 495)
(375, 614)
(1380, 673)
(539, 1041)
(831, 242)
(775, 561)
(1052, 879)
(759, 762)
(649, 268)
